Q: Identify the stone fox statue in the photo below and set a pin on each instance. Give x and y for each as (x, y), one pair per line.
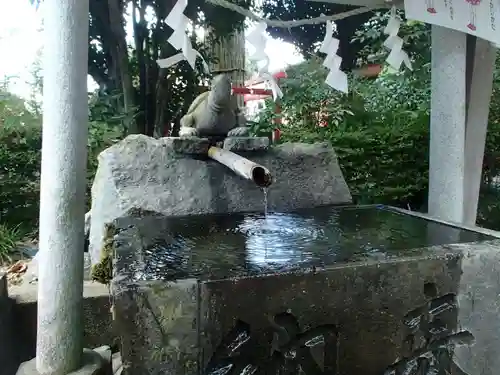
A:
(214, 113)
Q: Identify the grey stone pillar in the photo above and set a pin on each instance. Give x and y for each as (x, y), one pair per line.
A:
(478, 106)
(448, 111)
(62, 196)
(462, 76)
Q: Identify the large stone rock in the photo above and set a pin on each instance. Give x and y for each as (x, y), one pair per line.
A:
(186, 306)
(157, 175)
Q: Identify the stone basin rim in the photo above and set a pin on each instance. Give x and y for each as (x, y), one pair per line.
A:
(137, 269)
(449, 251)
(490, 232)
(453, 251)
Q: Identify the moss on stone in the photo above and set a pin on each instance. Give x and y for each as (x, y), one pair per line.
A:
(174, 315)
(102, 272)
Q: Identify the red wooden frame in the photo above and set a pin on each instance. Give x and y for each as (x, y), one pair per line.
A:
(257, 94)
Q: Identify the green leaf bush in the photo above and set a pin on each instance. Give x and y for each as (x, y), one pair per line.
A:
(10, 238)
(19, 173)
(380, 130)
(20, 160)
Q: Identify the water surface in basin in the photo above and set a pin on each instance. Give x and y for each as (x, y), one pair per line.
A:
(220, 246)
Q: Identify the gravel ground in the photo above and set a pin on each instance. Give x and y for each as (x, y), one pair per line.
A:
(25, 270)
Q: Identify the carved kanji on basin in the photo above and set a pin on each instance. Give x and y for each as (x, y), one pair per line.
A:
(431, 335)
(288, 352)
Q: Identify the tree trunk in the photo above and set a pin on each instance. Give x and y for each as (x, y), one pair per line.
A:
(121, 57)
(139, 36)
(162, 125)
(349, 50)
(229, 57)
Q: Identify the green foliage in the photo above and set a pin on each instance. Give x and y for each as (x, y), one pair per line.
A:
(20, 143)
(307, 102)
(385, 163)
(494, 117)
(396, 92)
(20, 158)
(380, 130)
(416, 36)
(10, 238)
(158, 96)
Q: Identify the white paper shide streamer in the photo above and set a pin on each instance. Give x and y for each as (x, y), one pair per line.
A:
(179, 38)
(257, 38)
(336, 78)
(394, 43)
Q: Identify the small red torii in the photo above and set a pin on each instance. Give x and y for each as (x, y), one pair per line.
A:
(250, 94)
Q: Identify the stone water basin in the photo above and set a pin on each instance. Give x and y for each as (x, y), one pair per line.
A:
(335, 290)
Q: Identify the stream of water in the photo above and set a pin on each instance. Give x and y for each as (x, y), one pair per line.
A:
(264, 190)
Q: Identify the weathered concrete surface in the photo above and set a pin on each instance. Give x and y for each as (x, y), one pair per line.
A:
(147, 173)
(367, 303)
(239, 144)
(163, 338)
(31, 274)
(98, 323)
(94, 362)
(7, 353)
(480, 309)
(364, 310)
(368, 298)
(188, 145)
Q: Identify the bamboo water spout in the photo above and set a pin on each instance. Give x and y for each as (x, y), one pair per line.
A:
(245, 168)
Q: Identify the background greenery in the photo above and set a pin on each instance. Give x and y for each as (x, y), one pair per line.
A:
(380, 129)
